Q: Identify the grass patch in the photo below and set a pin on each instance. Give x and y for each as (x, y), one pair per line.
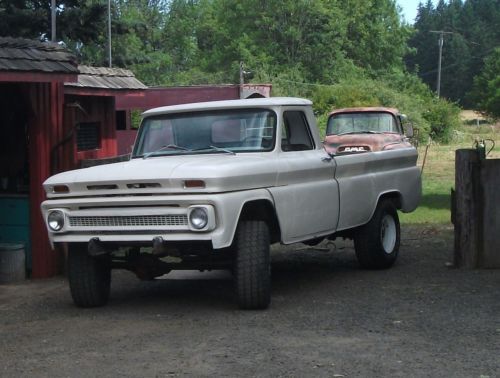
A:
(434, 206)
(439, 174)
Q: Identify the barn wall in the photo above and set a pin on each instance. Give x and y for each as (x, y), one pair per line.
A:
(156, 97)
(125, 139)
(83, 109)
(45, 129)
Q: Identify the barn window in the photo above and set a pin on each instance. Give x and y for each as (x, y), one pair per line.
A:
(121, 120)
(88, 136)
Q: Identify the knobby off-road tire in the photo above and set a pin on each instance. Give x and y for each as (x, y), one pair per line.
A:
(252, 265)
(377, 242)
(89, 277)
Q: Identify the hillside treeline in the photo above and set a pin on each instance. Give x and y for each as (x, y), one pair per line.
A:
(337, 52)
(471, 33)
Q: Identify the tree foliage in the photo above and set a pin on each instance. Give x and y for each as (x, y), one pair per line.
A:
(76, 19)
(319, 39)
(474, 28)
(486, 89)
(337, 52)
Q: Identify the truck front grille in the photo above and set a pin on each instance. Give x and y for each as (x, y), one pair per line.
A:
(128, 221)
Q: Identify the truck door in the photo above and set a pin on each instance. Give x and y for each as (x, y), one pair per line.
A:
(306, 197)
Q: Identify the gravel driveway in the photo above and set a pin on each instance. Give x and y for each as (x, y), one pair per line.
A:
(327, 318)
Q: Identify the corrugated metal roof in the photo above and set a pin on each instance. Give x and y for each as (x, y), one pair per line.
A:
(106, 78)
(26, 55)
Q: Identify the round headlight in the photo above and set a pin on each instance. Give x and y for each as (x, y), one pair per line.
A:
(55, 219)
(198, 218)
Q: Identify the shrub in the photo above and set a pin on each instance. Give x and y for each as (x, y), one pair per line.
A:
(443, 118)
(433, 117)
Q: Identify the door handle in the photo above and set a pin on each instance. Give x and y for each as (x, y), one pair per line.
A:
(326, 159)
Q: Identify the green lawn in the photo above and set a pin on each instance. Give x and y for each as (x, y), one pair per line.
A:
(439, 174)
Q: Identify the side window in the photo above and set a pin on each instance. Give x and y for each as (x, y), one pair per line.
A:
(295, 133)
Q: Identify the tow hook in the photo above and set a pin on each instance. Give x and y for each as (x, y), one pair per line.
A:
(96, 248)
(159, 247)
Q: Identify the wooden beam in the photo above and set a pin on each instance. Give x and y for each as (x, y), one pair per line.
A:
(44, 129)
(82, 91)
(37, 77)
(467, 216)
(490, 184)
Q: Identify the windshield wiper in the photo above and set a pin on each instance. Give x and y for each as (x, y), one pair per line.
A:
(359, 132)
(215, 148)
(168, 146)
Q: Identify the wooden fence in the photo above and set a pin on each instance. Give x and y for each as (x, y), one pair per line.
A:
(476, 210)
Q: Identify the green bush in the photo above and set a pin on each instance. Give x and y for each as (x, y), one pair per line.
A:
(433, 117)
(443, 118)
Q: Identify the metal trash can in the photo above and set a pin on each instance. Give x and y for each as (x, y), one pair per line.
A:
(12, 262)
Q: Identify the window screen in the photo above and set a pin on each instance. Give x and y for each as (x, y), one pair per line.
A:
(88, 136)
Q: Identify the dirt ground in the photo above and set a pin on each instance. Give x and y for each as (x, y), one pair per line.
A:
(328, 318)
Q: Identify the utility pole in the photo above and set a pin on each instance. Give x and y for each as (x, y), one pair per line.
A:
(109, 34)
(242, 73)
(438, 85)
(440, 42)
(242, 79)
(53, 20)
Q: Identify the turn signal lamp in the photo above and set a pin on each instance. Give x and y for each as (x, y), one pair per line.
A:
(60, 189)
(194, 184)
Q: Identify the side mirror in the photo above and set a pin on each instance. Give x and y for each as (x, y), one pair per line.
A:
(408, 130)
(327, 150)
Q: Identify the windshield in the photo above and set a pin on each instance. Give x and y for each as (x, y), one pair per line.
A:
(221, 131)
(353, 123)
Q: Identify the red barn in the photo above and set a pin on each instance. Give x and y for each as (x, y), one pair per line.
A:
(32, 76)
(53, 114)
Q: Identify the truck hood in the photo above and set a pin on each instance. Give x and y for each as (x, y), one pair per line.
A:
(356, 143)
(167, 174)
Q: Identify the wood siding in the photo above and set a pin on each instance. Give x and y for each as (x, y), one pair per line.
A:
(155, 97)
(45, 126)
(52, 123)
(85, 109)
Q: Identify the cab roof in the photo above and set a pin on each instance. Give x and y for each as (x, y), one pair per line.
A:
(230, 104)
(372, 109)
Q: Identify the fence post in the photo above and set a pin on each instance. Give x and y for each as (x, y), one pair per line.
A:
(467, 216)
(490, 188)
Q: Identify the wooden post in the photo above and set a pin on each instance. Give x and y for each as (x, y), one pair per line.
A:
(490, 183)
(468, 219)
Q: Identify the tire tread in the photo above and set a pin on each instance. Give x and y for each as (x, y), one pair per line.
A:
(89, 278)
(252, 265)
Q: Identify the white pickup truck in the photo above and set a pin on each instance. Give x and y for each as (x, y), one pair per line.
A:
(212, 185)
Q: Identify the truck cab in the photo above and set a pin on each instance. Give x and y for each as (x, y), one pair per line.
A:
(368, 129)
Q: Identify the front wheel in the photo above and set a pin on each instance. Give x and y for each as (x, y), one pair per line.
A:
(252, 266)
(377, 242)
(89, 277)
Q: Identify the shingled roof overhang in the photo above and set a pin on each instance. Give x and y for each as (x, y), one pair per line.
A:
(25, 60)
(103, 81)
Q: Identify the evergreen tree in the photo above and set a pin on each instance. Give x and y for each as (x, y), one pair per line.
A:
(475, 31)
(486, 90)
(82, 20)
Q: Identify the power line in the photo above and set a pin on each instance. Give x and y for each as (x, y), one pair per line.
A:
(481, 57)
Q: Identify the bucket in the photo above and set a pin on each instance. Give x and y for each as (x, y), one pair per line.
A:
(12, 262)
